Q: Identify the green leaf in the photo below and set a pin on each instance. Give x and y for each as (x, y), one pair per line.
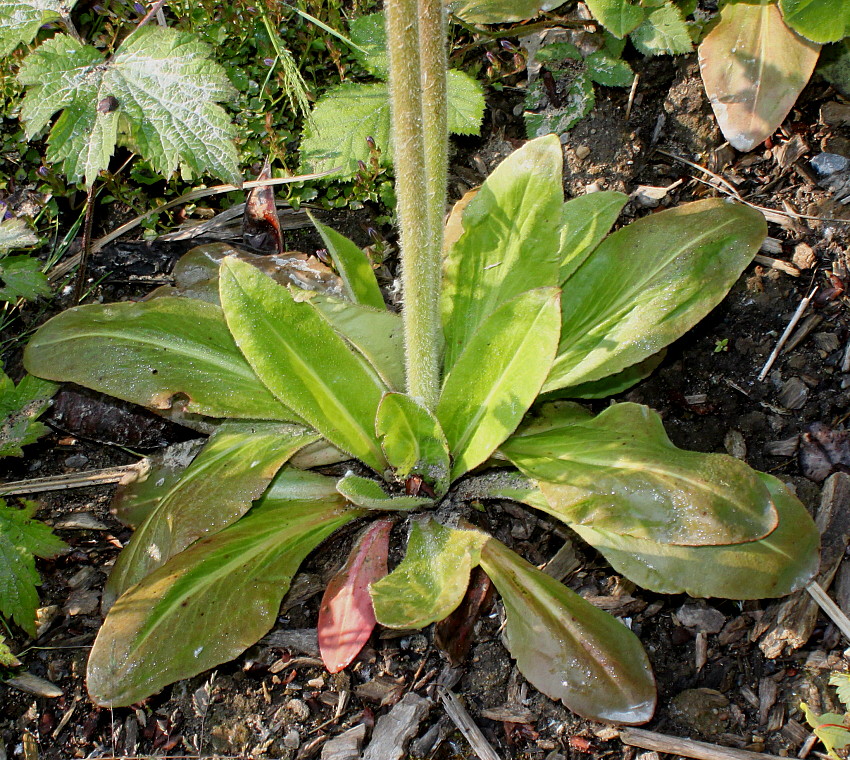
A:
(830, 728)
(19, 408)
(369, 33)
(378, 335)
(21, 540)
(21, 277)
(300, 358)
(783, 562)
(7, 659)
(20, 20)
(340, 123)
(429, 583)
(567, 648)
(608, 70)
(620, 472)
(818, 20)
(465, 103)
(753, 67)
(585, 221)
(413, 441)
(208, 603)
(841, 682)
(648, 283)
(497, 377)
(499, 11)
(618, 16)
(353, 266)
(232, 470)
(346, 115)
(834, 66)
(154, 353)
(543, 117)
(614, 384)
(509, 243)
(157, 95)
(368, 493)
(15, 233)
(664, 31)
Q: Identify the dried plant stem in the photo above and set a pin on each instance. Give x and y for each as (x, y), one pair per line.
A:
(416, 34)
(674, 745)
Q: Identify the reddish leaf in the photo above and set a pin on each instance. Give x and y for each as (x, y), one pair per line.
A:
(260, 223)
(454, 634)
(346, 617)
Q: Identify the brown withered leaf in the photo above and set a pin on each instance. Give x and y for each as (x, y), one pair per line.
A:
(260, 225)
(454, 634)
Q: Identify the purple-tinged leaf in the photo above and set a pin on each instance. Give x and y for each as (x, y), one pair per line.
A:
(754, 66)
(346, 615)
(567, 648)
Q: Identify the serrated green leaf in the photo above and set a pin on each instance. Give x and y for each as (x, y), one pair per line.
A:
(618, 16)
(542, 117)
(585, 221)
(779, 564)
(753, 68)
(664, 31)
(609, 71)
(346, 115)
(465, 103)
(21, 540)
(620, 472)
(154, 353)
(208, 603)
(497, 377)
(21, 277)
(830, 728)
(509, 243)
(14, 234)
(353, 266)
(157, 95)
(818, 20)
(341, 121)
(19, 408)
(369, 33)
(648, 283)
(413, 441)
(429, 583)
(300, 357)
(368, 493)
(232, 470)
(567, 648)
(499, 11)
(841, 682)
(20, 20)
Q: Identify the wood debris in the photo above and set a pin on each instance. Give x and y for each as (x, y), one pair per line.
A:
(394, 730)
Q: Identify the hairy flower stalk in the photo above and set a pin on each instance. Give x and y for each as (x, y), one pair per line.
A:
(417, 48)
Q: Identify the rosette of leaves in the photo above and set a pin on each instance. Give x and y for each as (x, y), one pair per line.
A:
(563, 93)
(347, 117)
(537, 297)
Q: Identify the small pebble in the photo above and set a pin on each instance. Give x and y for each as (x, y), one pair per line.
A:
(292, 740)
(829, 163)
(76, 460)
(582, 152)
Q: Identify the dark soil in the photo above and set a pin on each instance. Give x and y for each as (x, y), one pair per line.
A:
(714, 681)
